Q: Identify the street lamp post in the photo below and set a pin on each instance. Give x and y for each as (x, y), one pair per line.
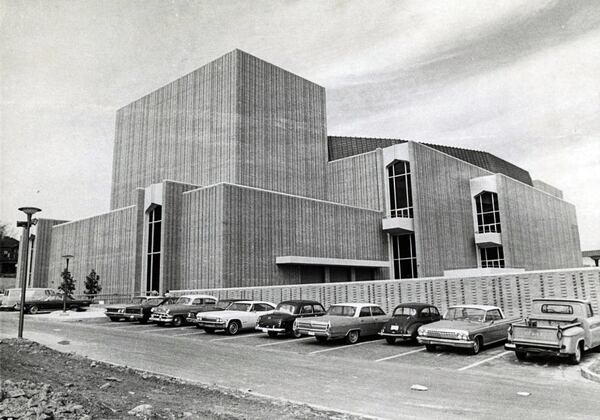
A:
(29, 211)
(66, 257)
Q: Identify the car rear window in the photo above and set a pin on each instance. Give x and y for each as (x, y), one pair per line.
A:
(553, 308)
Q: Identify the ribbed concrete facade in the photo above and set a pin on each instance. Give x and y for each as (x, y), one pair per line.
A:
(226, 178)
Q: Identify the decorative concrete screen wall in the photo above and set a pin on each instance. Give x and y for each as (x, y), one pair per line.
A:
(512, 292)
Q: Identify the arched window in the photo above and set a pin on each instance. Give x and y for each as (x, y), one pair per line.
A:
(153, 253)
(488, 213)
(401, 204)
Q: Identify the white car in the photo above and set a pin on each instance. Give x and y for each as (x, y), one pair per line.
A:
(240, 315)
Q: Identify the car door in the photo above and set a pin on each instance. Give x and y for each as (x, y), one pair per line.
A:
(365, 321)
(497, 330)
(379, 318)
(594, 323)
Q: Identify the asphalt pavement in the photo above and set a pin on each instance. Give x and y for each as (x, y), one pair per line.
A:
(370, 378)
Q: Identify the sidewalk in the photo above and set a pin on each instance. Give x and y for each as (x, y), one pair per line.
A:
(94, 311)
(592, 372)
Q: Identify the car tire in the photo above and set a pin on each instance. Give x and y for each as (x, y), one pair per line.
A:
(33, 309)
(178, 321)
(575, 358)
(208, 330)
(477, 345)
(296, 333)
(390, 340)
(430, 347)
(233, 328)
(352, 337)
(321, 339)
(521, 355)
(144, 320)
(272, 334)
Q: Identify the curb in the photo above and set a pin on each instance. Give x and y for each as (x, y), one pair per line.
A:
(588, 374)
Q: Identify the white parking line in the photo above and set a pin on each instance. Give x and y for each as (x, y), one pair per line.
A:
(483, 361)
(342, 347)
(285, 342)
(235, 336)
(400, 355)
(190, 333)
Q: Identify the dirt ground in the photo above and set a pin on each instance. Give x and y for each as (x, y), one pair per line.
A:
(41, 383)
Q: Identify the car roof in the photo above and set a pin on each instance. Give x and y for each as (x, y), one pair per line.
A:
(198, 296)
(356, 304)
(301, 302)
(254, 301)
(482, 307)
(561, 299)
(416, 305)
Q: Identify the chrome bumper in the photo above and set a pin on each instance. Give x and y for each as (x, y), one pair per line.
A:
(161, 318)
(446, 342)
(269, 329)
(314, 333)
(384, 334)
(211, 324)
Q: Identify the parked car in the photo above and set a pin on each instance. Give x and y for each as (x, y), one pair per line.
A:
(55, 301)
(116, 311)
(140, 309)
(282, 320)
(350, 321)
(238, 316)
(13, 296)
(220, 305)
(406, 320)
(466, 326)
(176, 313)
(557, 327)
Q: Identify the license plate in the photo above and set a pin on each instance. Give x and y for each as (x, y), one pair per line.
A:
(394, 328)
(311, 333)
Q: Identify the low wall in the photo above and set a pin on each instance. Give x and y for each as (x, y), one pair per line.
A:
(511, 292)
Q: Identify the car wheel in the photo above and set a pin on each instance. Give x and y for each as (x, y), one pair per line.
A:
(296, 334)
(430, 347)
(233, 328)
(521, 355)
(208, 330)
(272, 334)
(575, 358)
(144, 319)
(390, 340)
(178, 321)
(477, 344)
(352, 337)
(33, 310)
(321, 339)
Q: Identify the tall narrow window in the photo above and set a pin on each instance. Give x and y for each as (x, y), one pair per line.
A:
(153, 254)
(488, 213)
(405, 256)
(492, 257)
(400, 190)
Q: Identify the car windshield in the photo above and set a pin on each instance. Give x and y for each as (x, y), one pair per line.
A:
(467, 314)
(341, 310)
(153, 301)
(405, 311)
(183, 300)
(287, 307)
(223, 304)
(236, 306)
(138, 300)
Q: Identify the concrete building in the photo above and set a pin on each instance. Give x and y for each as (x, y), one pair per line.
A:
(226, 177)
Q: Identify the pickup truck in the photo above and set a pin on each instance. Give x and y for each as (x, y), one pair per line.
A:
(558, 327)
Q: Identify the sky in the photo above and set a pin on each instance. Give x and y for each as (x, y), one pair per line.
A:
(519, 79)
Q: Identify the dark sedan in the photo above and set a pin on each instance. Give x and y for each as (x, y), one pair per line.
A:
(282, 320)
(54, 302)
(141, 312)
(407, 319)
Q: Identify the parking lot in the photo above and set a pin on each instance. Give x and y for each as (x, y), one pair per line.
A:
(492, 360)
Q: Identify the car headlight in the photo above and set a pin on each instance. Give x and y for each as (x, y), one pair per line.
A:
(152, 310)
(219, 320)
(423, 332)
(295, 325)
(190, 315)
(279, 322)
(167, 311)
(122, 310)
(328, 325)
(462, 335)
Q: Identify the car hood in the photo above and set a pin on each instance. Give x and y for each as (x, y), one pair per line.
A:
(460, 325)
(118, 306)
(173, 308)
